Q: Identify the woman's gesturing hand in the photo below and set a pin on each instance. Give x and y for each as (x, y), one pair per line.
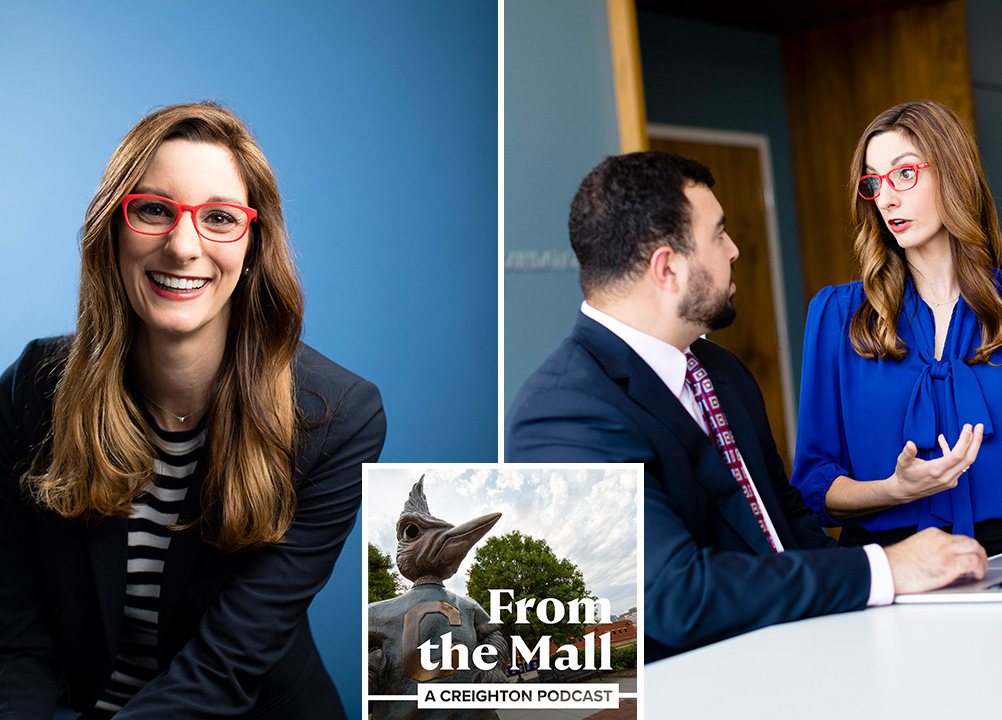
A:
(915, 478)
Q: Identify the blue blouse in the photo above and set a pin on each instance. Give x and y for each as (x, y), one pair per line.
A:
(856, 414)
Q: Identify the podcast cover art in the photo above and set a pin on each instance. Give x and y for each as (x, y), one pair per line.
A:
(502, 591)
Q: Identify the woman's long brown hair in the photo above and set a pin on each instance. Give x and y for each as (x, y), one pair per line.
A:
(101, 450)
(968, 211)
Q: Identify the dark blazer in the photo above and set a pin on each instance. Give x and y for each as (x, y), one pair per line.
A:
(709, 572)
(233, 636)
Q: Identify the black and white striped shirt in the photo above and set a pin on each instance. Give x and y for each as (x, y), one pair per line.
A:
(155, 510)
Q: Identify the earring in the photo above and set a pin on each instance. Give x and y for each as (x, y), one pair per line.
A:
(247, 270)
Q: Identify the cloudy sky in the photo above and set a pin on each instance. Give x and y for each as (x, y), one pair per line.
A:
(588, 516)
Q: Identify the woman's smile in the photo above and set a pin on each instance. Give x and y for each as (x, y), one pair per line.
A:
(172, 287)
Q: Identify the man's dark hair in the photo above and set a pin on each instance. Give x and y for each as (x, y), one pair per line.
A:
(626, 208)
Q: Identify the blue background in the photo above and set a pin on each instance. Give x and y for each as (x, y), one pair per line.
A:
(380, 119)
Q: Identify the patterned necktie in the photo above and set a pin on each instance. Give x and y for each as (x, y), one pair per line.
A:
(706, 396)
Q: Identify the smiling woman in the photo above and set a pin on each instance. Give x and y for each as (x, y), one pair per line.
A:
(177, 283)
(177, 478)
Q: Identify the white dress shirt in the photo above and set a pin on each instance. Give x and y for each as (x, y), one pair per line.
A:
(669, 364)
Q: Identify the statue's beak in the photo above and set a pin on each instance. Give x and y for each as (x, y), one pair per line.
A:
(455, 543)
(472, 530)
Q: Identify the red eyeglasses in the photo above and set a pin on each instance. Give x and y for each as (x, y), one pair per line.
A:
(217, 222)
(900, 178)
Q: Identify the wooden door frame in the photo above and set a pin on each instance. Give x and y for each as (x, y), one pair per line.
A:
(628, 81)
(758, 142)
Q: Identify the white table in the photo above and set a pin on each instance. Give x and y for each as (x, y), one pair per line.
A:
(916, 661)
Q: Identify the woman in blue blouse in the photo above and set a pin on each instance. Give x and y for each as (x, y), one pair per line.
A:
(901, 377)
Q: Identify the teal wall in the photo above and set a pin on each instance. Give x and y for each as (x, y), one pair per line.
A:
(710, 76)
(559, 123)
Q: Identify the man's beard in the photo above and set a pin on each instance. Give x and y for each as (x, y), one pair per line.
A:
(704, 306)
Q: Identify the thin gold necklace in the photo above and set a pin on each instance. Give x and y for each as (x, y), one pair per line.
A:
(180, 418)
(927, 302)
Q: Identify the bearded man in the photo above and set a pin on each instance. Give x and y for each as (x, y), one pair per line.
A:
(729, 545)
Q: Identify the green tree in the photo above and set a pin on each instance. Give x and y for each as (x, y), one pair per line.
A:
(384, 583)
(621, 658)
(531, 569)
(624, 658)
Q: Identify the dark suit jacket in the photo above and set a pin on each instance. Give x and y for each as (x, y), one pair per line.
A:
(709, 572)
(233, 634)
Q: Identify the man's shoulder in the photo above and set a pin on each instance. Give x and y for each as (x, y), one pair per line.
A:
(589, 354)
(573, 409)
(573, 378)
(570, 365)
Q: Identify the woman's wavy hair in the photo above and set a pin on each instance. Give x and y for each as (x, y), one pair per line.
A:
(100, 453)
(967, 209)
